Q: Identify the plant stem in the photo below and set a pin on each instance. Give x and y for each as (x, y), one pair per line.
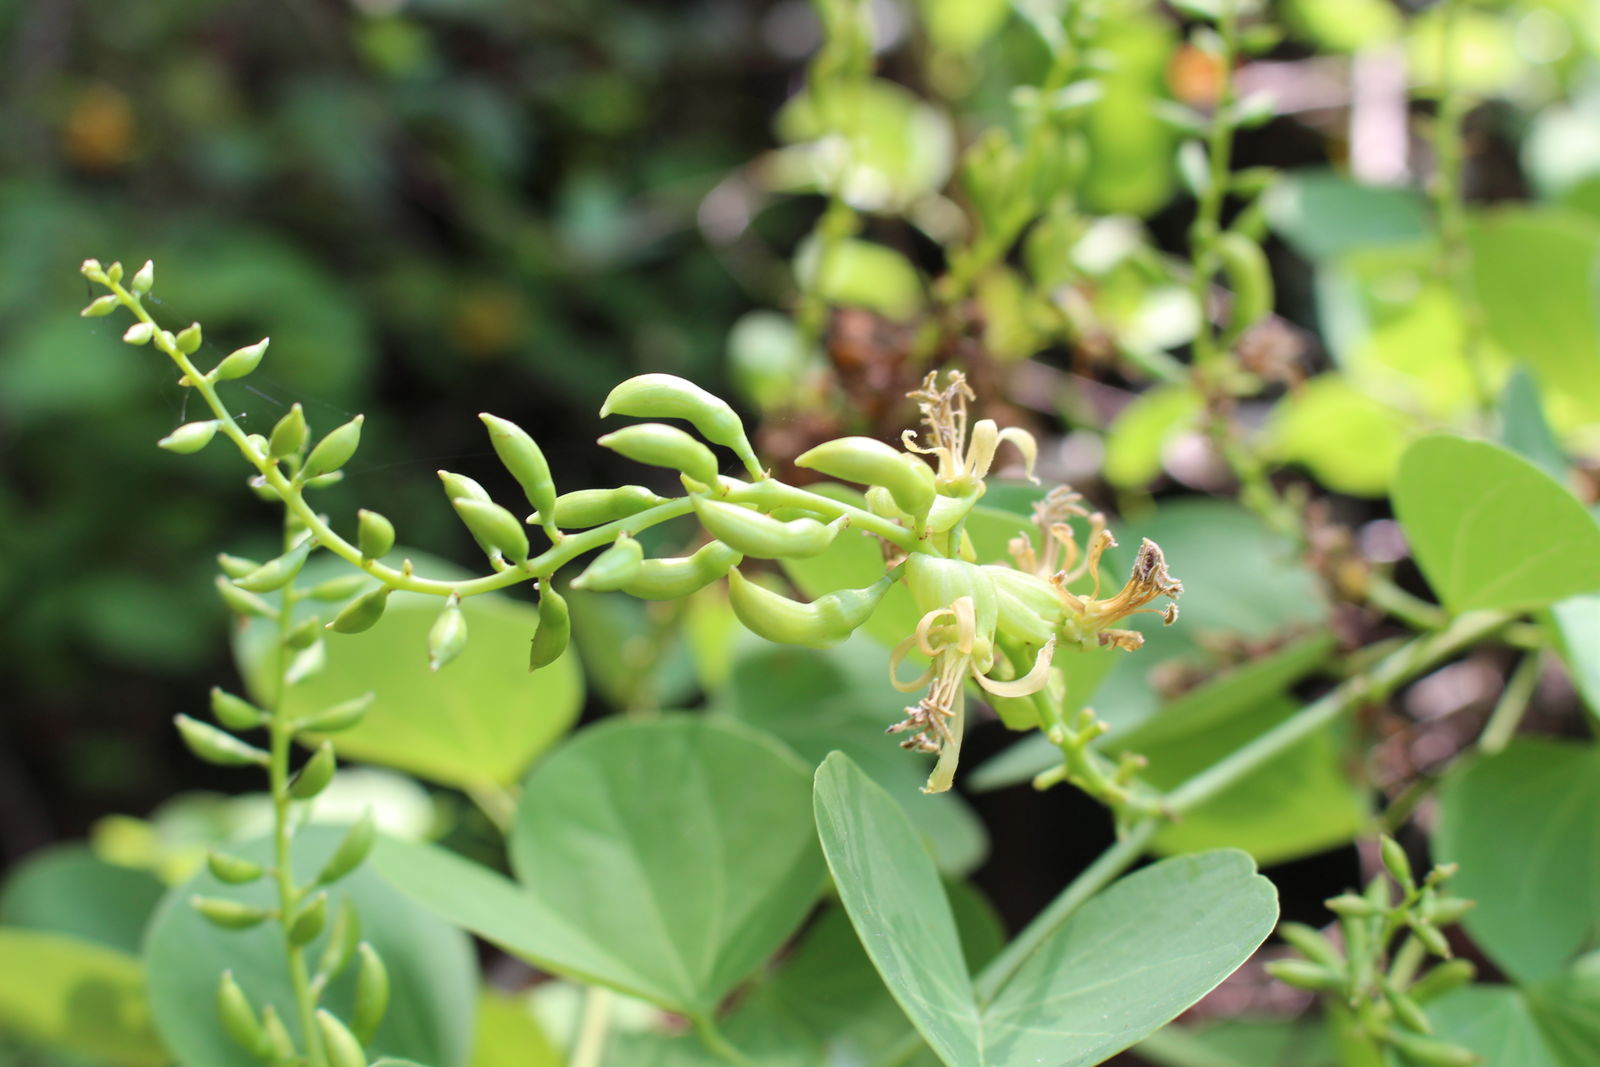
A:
(714, 1042)
(1208, 216)
(590, 1045)
(1512, 705)
(1415, 612)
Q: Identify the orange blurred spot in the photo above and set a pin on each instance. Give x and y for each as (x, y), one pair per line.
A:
(487, 323)
(1195, 77)
(98, 134)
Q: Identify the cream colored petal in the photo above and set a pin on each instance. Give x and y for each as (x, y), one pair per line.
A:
(1025, 444)
(1030, 683)
(895, 659)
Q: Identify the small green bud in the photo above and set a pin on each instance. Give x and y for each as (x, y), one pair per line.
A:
(763, 536)
(352, 850)
(824, 622)
(867, 461)
(341, 716)
(214, 746)
(446, 637)
(1431, 938)
(362, 613)
(341, 588)
(235, 713)
(493, 527)
(322, 481)
(143, 278)
(241, 361)
(523, 458)
(236, 566)
(1396, 861)
(1428, 1052)
(372, 993)
(239, 1019)
(340, 1045)
(276, 573)
(1311, 944)
(229, 914)
(242, 603)
(315, 775)
(310, 920)
(305, 634)
(188, 339)
(342, 941)
(1443, 911)
(102, 305)
(459, 485)
(289, 436)
(334, 450)
(1407, 1011)
(92, 270)
(139, 333)
(554, 630)
(660, 445)
(1302, 974)
(280, 1044)
(114, 273)
(670, 579)
(169, 342)
(1352, 906)
(1442, 872)
(613, 568)
(1449, 975)
(666, 396)
(374, 534)
(584, 508)
(1378, 894)
(190, 437)
(233, 870)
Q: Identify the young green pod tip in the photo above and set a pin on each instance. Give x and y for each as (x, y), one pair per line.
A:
(309, 921)
(613, 568)
(241, 361)
(233, 870)
(338, 1043)
(144, 278)
(446, 637)
(341, 716)
(372, 993)
(139, 333)
(188, 338)
(362, 613)
(523, 458)
(554, 631)
(374, 534)
(229, 914)
(352, 851)
(214, 746)
(667, 396)
(100, 305)
(334, 450)
(493, 527)
(235, 713)
(190, 437)
(289, 435)
(239, 1019)
(314, 776)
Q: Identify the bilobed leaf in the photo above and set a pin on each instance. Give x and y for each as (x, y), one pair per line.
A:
(77, 997)
(1523, 825)
(1490, 530)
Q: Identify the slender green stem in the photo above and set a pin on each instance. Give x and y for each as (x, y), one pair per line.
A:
(1415, 612)
(1208, 217)
(715, 1043)
(590, 1045)
(1512, 705)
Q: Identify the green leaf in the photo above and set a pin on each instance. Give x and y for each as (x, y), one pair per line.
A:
(1497, 1023)
(431, 967)
(666, 860)
(69, 890)
(1577, 625)
(1240, 1043)
(1523, 825)
(1350, 441)
(77, 997)
(1130, 960)
(1490, 530)
(1144, 429)
(1567, 1008)
(1523, 427)
(1322, 215)
(962, 25)
(508, 1035)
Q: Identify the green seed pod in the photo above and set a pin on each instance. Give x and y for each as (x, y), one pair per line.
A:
(229, 914)
(340, 1045)
(666, 396)
(374, 534)
(232, 869)
(139, 333)
(341, 588)
(334, 450)
(315, 775)
(143, 278)
(103, 305)
(304, 634)
(583, 508)
(670, 579)
(824, 622)
(310, 921)
(1429, 1052)
(342, 940)
(1302, 974)
(1395, 860)
(352, 850)
(661, 445)
(867, 461)
(763, 536)
(1407, 1011)
(275, 573)
(322, 481)
(613, 568)
(239, 1019)
(236, 713)
(1351, 906)
(1443, 911)
(279, 1043)
(1312, 944)
(1431, 938)
(190, 437)
(242, 603)
(236, 566)
(188, 339)
(372, 993)
(341, 716)
(1377, 893)
(362, 613)
(523, 458)
(1249, 277)
(493, 527)
(459, 485)
(241, 361)
(214, 746)
(881, 503)
(554, 631)
(290, 435)
(1449, 975)
(447, 637)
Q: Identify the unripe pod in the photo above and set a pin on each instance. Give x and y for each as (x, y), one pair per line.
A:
(1406, 1010)
(1312, 944)
(190, 437)
(242, 603)
(214, 746)
(334, 450)
(341, 588)
(1303, 974)
(1447, 910)
(661, 445)
(763, 536)
(1451, 974)
(239, 1019)
(1428, 1052)
(240, 362)
(1351, 906)
(229, 914)
(613, 568)
(101, 306)
(340, 716)
(1249, 277)
(554, 629)
(523, 458)
(280, 1044)
(309, 923)
(493, 527)
(362, 613)
(824, 622)
(289, 436)
(949, 510)
(459, 485)
(667, 396)
(275, 573)
(372, 993)
(374, 534)
(1395, 860)
(447, 637)
(139, 333)
(315, 775)
(868, 461)
(670, 579)
(235, 713)
(236, 566)
(352, 850)
(340, 1045)
(342, 940)
(584, 508)
(1431, 938)
(232, 869)
(304, 634)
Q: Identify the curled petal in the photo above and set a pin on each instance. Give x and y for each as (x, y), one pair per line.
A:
(1028, 684)
(895, 659)
(980, 451)
(1024, 442)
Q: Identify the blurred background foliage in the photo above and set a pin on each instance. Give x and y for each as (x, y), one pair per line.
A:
(437, 207)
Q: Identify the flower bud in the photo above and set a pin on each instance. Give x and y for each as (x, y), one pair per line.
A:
(670, 579)
(1352, 906)
(143, 278)
(1249, 276)
(242, 603)
(1311, 944)
(310, 920)
(236, 566)
(101, 305)
(554, 629)
(822, 623)
(1302, 974)
(523, 458)
(190, 437)
(238, 1018)
(235, 713)
(763, 536)
(338, 1043)
(1449, 975)
(666, 396)
(1396, 862)
(362, 613)
(867, 461)
(334, 450)
(493, 527)
(372, 993)
(1443, 911)
(1407, 1011)
(315, 774)
(613, 568)
(1431, 938)
(229, 914)
(352, 850)
(447, 637)
(459, 485)
(1428, 1052)
(114, 273)
(341, 716)
(233, 870)
(188, 339)
(343, 937)
(275, 573)
(289, 436)
(584, 508)
(92, 270)
(374, 534)
(304, 634)
(280, 1044)
(341, 588)
(214, 746)
(660, 445)
(241, 361)
(139, 333)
